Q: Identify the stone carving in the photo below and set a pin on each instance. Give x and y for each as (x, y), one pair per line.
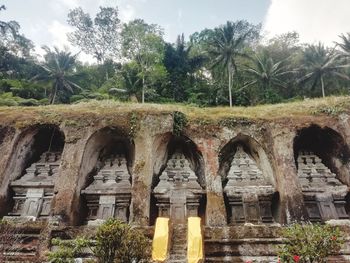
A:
(109, 194)
(324, 194)
(178, 192)
(34, 190)
(248, 192)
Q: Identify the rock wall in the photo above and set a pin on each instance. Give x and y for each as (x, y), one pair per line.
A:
(273, 144)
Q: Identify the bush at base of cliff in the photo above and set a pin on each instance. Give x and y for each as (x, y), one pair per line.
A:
(114, 242)
(309, 243)
(117, 242)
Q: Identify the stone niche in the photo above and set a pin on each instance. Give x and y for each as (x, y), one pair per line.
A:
(248, 193)
(324, 194)
(178, 194)
(109, 194)
(36, 161)
(34, 190)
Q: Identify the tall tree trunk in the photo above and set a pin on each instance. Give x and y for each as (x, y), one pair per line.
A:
(143, 88)
(229, 83)
(54, 95)
(322, 86)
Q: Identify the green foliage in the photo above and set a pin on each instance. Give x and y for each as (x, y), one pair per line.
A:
(310, 243)
(144, 44)
(98, 37)
(59, 68)
(321, 64)
(134, 125)
(135, 248)
(117, 242)
(179, 123)
(224, 65)
(68, 250)
(109, 239)
(228, 43)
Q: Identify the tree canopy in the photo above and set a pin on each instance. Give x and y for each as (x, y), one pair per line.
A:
(230, 64)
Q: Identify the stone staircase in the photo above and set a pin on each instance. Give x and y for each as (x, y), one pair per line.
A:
(178, 251)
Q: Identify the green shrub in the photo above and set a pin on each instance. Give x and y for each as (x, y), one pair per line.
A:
(68, 250)
(8, 102)
(180, 122)
(29, 102)
(309, 243)
(117, 242)
(109, 238)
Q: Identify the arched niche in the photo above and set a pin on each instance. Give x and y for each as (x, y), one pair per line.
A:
(322, 160)
(105, 176)
(178, 185)
(33, 169)
(248, 182)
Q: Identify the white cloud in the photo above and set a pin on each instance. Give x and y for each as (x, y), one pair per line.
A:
(59, 38)
(58, 32)
(179, 14)
(69, 3)
(314, 20)
(127, 13)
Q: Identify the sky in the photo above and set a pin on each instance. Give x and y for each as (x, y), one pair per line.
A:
(45, 21)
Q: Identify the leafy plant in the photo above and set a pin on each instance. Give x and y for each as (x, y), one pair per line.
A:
(180, 122)
(68, 250)
(117, 242)
(309, 243)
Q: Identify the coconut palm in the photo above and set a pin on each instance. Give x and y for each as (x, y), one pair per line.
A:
(227, 44)
(59, 67)
(344, 44)
(266, 73)
(320, 63)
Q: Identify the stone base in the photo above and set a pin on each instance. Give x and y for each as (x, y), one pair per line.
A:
(96, 222)
(338, 222)
(21, 219)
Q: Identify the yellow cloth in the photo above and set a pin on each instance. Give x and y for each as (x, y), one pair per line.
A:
(194, 240)
(160, 240)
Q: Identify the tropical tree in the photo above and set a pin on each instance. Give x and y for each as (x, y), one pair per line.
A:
(181, 66)
(228, 43)
(320, 63)
(344, 44)
(144, 44)
(266, 74)
(100, 36)
(59, 67)
(11, 40)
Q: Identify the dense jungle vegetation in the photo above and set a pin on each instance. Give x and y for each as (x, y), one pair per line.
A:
(232, 64)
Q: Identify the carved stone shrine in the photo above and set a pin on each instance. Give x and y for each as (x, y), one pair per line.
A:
(109, 195)
(34, 190)
(249, 194)
(324, 194)
(178, 192)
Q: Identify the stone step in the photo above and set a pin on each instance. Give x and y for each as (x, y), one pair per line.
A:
(178, 251)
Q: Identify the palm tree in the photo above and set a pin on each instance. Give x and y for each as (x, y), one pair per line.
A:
(345, 44)
(319, 63)
(227, 45)
(59, 67)
(267, 74)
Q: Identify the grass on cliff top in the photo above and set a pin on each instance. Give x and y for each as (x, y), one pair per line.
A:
(327, 106)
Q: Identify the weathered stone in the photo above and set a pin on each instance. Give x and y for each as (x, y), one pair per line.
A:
(178, 192)
(109, 194)
(324, 194)
(34, 190)
(248, 192)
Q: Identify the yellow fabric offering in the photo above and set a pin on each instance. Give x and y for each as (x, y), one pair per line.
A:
(160, 240)
(194, 240)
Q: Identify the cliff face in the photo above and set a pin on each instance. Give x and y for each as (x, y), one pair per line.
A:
(271, 139)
